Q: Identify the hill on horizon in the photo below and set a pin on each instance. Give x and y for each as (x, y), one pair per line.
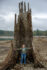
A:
(11, 33)
(6, 33)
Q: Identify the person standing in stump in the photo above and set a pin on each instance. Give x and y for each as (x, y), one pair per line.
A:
(23, 53)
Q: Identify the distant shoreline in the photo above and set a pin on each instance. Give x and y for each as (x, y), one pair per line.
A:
(12, 37)
(6, 37)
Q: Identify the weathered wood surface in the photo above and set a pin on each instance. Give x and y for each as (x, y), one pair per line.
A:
(27, 67)
(23, 28)
(10, 59)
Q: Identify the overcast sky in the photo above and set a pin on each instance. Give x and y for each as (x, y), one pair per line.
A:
(8, 8)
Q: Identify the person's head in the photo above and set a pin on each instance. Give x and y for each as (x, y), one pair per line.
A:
(23, 45)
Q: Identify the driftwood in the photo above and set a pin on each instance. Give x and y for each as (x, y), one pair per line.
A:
(10, 59)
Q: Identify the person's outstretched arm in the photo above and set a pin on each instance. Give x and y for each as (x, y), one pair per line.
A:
(18, 49)
(28, 48)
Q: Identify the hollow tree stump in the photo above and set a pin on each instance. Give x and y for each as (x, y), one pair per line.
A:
(22, 35)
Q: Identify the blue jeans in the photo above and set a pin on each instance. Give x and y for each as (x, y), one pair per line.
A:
(23, 56)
